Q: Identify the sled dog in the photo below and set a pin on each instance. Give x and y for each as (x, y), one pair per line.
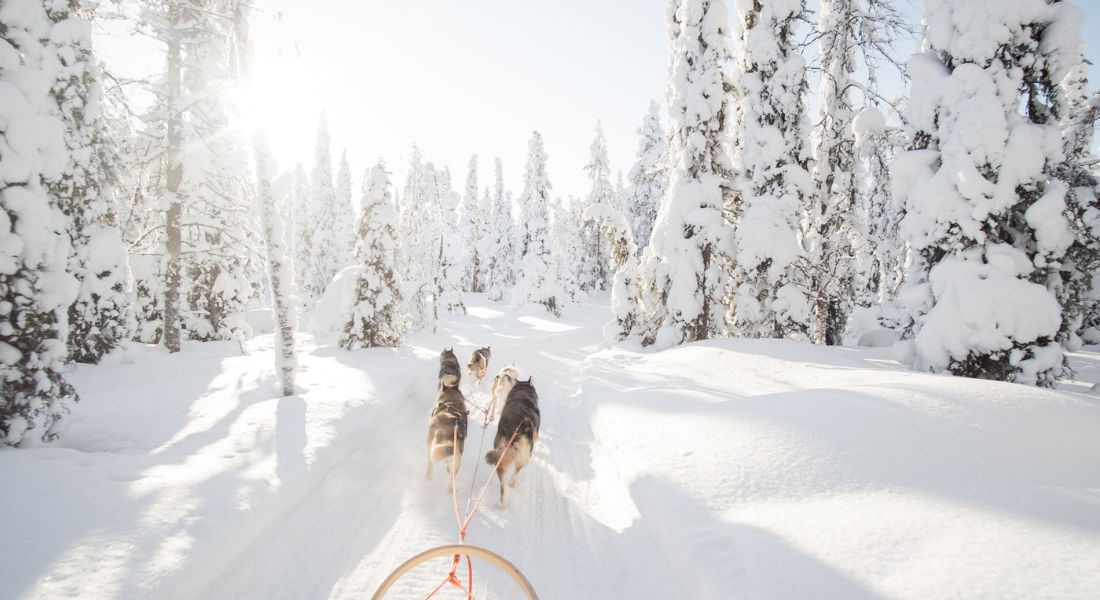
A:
(447, 429)
(479, 363)
(520, 415)
(450, 374)
(502, 384)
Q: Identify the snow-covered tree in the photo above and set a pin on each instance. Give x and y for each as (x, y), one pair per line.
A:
(647, 177)
(625, 291)
(269, 191)
(879, 264)
(326, 238)
(452, 257)
(537, 280)
(848, 31)
(568, 248)
(986, 211)
(302, 235)
(501, 242)
(471, 214)
(101, 318)
(345, 214)
(375, 314)
(771, 158)
(595, 276)
(420, 228)
(35, 289)
(691, 240)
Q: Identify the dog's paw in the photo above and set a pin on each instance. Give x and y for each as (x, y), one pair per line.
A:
(513, 483)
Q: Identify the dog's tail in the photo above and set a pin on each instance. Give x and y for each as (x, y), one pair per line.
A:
(493, 455)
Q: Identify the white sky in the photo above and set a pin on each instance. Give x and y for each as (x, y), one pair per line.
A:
(461, 77)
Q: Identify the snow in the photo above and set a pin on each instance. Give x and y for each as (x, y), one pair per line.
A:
(724, 468)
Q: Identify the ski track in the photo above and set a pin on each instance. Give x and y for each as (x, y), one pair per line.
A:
(374, 509)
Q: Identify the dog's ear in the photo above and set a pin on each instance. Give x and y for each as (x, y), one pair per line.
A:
(530, 381)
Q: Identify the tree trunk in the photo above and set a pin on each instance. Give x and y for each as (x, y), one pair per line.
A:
(175, 175)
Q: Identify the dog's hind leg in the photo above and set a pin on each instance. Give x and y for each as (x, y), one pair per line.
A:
(500, 477)
(454, 462)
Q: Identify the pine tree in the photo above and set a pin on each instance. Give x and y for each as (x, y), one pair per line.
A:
(270, 190)
(537, 281)
(101, 319)
(849, 29)
(376, 315)
(452, 256)
(986, 211)
(595, 276)
(880, 257)
(344, 214)
(501, 242)
(302, 235)
(35, 290)
(471, 215)
(420, 228)
(691, 242)
(647, 177)
(324, 213)
(771, 158)
(568, 248)
(625, 291)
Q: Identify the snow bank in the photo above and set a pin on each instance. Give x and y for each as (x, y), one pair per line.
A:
(775, 469)
(174, 464)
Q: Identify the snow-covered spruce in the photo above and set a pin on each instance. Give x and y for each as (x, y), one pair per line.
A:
(452, 259)
(771, 157)
(471, 227)
(500, 242)
(538, 282)
(647, 177)
(625, 293)
(879, 264)
(302, 235)
(691, 242)
(568, 248)
(101, 318)
(345, 214)
(35, 289)
(269, 193)
(985, 214)
(419, 228)
(325, 242)
(595, 276)
(375, 313)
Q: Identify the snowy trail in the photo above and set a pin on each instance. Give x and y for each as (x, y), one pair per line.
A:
(567, 525)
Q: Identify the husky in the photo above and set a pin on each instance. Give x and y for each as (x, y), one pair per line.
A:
(479, 363)
(502, 384)
(450, 374)
(520, 415)
(447, 429)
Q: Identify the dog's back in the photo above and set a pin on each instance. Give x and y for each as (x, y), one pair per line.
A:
(450, 373)
(447, 427)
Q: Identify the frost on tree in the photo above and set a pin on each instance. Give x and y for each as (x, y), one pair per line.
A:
(647, 177)
(596, 257)
(500, 242)
(35, 289)
(986, 209)
(101, 318)
(471, 214)
(375, 313)
(537, 282)
(771, 158)
(691, 241)
(269, 192)
(452, 257)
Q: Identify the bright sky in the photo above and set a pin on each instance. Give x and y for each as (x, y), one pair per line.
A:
(463, 77)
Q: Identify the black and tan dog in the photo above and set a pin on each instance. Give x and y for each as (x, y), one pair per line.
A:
(520, 415)
(479, 363)
(450, 373)
(447, 429)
